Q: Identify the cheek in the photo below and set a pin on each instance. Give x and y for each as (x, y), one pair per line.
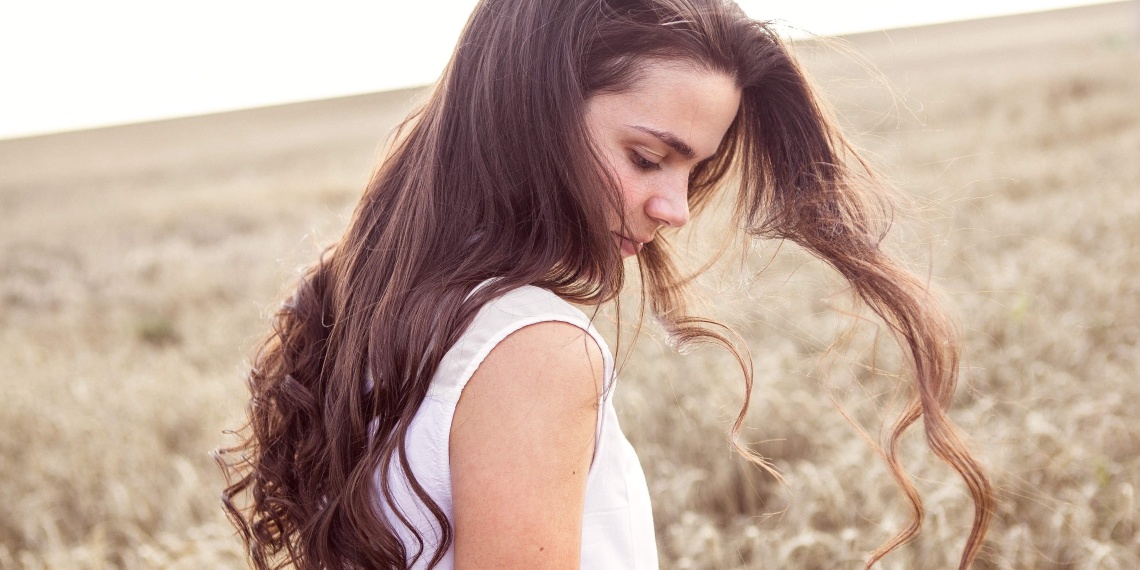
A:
(630, 182)
(631, 189)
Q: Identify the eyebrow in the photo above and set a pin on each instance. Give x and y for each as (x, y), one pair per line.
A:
(670, 139)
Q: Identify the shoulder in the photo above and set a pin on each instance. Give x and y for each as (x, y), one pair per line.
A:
(540, 333)
(537, 316)
(521, 324)
(549, 367)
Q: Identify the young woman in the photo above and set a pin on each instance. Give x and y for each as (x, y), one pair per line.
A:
(428, 396)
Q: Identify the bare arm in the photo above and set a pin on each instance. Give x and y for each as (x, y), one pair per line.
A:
(521, 443)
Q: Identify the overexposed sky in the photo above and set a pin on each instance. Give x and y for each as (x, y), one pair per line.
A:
(71, 64)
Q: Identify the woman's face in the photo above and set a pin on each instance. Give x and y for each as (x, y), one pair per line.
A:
(652, 136)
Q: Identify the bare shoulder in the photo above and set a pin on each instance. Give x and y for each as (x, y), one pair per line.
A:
(522, 439)
(546, 357)
(542, 372)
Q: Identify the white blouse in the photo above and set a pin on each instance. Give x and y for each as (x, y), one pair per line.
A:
(617, 529)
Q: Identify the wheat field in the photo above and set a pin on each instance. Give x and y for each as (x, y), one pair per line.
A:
(138, 266)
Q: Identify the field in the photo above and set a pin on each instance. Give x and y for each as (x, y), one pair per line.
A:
(138, 265)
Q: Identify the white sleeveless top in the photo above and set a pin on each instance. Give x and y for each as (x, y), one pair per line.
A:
(617, 530)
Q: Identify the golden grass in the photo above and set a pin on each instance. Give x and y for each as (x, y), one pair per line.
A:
(138, 264)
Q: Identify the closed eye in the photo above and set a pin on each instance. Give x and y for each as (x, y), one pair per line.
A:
(641, 162)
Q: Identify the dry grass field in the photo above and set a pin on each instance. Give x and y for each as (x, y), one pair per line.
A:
(138, 265)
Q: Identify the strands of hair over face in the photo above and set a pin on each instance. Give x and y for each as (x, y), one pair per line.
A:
(495, 176)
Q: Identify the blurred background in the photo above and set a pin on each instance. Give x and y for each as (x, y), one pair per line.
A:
(167, 169)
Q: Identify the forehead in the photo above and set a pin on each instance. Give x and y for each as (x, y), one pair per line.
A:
(694, 104)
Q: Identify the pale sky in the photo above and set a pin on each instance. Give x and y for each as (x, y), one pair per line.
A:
(71, 64)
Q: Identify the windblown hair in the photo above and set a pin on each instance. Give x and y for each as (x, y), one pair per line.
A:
(495, 176)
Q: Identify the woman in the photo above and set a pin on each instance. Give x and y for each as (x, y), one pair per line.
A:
(428, 397)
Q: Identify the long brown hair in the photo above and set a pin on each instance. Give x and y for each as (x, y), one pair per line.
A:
(495, 176)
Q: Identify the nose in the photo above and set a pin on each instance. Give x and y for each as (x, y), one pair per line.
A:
(669, 205)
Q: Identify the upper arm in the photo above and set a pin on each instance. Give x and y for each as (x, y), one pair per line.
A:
(521, 443)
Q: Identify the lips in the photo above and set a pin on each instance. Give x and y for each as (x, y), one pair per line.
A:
(629, 246)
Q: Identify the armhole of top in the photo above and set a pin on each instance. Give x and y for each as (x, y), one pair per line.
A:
(491, 342)
(475, 345)
(501, 318)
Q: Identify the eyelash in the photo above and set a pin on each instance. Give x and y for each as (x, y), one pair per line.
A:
(642, 163)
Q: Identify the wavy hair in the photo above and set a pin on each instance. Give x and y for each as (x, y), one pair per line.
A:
(495, 176)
